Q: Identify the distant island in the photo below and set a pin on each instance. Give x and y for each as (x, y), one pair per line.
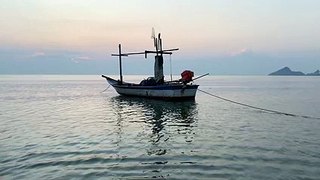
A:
(288, 72)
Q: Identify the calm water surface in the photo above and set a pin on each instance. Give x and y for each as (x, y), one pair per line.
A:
(64, 127)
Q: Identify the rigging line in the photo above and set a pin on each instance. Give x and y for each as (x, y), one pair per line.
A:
(258, 108)
(105, 89)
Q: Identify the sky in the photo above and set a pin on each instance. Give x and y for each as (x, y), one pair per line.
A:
(222, 37)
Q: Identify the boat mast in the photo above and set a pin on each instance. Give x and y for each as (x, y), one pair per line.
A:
(120, 64)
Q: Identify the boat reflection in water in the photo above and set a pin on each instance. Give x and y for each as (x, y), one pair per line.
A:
(156, 126)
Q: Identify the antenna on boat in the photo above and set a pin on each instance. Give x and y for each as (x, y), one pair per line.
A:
(157, 42)
(153, 36)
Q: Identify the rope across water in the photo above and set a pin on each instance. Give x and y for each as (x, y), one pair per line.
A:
(105, 89)
(258, 108)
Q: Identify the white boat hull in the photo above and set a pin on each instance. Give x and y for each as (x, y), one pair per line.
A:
(166, 91)
(160, 93)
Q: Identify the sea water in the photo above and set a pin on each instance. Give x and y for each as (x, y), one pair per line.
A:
(64, 127)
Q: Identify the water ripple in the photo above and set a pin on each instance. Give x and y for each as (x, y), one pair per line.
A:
(69, 130)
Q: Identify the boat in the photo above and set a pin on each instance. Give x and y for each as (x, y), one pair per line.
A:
(156, 87)
(166, 91)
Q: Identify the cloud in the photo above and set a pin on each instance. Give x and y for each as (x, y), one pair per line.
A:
(243, 51)
(81, 58)
(84, 58)
(38, 54)
(32, 55)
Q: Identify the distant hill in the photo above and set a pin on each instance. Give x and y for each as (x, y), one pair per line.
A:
(288, 72)
(316, 73)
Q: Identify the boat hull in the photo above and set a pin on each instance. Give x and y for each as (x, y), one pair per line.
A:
(166, 91)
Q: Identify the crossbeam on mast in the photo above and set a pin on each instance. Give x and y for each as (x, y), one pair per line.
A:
(167, 51)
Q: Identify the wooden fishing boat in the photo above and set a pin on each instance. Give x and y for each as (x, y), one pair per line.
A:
(167, 90)
(156, 87)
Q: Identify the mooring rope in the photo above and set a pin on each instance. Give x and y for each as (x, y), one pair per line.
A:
(105, 89)
(258, 108)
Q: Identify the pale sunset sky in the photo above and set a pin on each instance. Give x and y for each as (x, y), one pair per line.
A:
(223, 37)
